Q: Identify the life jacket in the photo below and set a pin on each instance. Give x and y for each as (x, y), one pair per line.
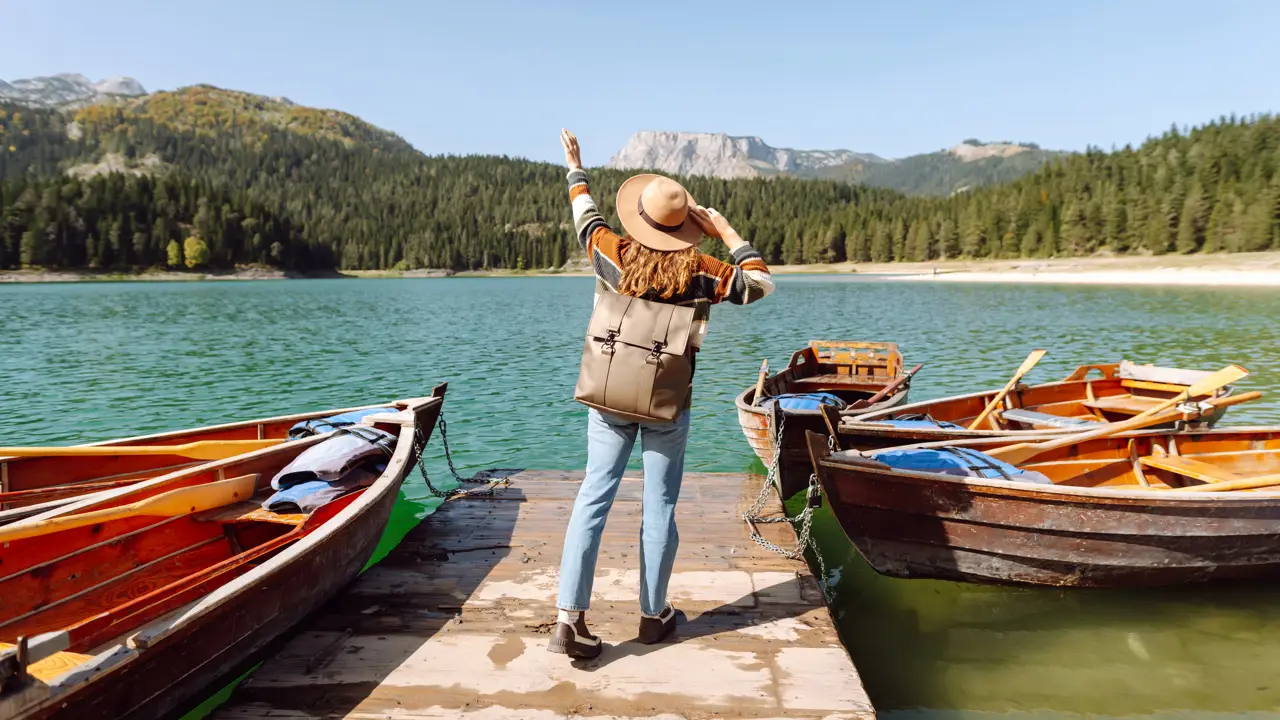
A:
(336, 456)
(320, 426)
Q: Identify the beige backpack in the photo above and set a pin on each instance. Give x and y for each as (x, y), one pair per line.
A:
(637, 362)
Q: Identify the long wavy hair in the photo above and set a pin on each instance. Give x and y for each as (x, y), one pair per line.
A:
(662, 273)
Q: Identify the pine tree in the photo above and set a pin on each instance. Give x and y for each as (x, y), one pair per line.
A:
(882, 244)
(1192, 221)
(948, 240)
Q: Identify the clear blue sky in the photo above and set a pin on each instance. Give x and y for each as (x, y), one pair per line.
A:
(473, 76)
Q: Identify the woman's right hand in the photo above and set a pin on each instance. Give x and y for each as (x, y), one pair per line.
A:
(713, 223)
(572, 153)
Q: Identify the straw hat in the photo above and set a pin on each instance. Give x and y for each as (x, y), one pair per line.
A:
(655, 212)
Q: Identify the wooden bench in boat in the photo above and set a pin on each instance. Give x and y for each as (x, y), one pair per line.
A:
(1190, 467)
(54, 665)
(1042, 419)
(1124, 404)
(250, 511)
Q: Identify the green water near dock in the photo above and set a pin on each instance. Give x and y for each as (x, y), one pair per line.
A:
(91, 361)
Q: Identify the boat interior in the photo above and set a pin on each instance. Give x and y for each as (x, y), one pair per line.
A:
(1156, 460)
(1090, 395)
(44, 482)
(850, 370)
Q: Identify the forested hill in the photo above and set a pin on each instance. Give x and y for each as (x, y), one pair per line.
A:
(209, 177)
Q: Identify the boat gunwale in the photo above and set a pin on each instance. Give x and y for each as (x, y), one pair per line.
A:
(174, 434)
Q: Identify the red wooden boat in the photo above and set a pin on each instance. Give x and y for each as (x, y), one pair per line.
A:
(132, 616)
(1120, 512)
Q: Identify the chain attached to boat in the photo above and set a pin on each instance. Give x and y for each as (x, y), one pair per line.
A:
(813, 499)
(419, 445)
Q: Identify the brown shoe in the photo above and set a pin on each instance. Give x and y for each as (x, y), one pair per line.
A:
(656, 629)
(575, 640)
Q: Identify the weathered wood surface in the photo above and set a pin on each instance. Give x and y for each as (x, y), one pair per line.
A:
(454, 623)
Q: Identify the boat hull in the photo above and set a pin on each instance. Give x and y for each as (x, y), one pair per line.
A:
(176, 666)
(925, 525)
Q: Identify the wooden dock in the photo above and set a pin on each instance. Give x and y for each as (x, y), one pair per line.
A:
(455, 621)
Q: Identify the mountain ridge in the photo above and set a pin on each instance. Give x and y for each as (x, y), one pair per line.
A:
(68, 90)
(971, 163)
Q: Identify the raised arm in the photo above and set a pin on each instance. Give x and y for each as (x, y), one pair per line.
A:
(747, 279)
(587, 220)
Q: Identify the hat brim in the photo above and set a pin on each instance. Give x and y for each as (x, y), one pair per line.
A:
(688, 234)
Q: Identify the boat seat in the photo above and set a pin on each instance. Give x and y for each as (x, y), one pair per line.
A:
(251, 511)
(56, 664)
(1036, 418)
(1125, 404)
(1190, 467)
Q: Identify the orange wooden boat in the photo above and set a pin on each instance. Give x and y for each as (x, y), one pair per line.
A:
(851, 370)
(133, 615)
(31, 485)
(1138, 509)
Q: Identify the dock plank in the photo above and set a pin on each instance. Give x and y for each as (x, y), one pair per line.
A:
(455, 621)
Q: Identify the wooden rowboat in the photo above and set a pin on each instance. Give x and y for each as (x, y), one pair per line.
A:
(850, 370)
(31, 485)
(145, 612)
(1090, 395)
(1096, 525)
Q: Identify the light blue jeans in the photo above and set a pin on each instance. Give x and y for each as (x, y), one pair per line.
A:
(609, 443)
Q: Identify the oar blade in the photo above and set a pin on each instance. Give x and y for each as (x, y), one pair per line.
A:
(1032, 360)
(223, 449)
(1216, 381)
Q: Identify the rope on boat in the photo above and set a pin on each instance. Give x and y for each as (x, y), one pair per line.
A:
(804, 538)
(491, 483)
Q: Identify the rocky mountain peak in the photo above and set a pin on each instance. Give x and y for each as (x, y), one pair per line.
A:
(721, 155)
(67, 90)
(971, 150)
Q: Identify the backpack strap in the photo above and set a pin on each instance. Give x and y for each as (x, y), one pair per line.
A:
(615, 323)
(662, 327)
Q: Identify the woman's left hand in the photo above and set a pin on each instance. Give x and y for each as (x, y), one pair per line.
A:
(572, 153)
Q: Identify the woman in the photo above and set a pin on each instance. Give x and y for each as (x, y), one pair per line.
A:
(657, 259)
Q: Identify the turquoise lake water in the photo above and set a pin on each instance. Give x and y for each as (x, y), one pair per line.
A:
(92, 361)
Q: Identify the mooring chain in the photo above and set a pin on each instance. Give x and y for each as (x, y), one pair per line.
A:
(804, 538)
(420, 446)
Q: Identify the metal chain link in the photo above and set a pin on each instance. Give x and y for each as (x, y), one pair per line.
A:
(420, 445)
(804, 538)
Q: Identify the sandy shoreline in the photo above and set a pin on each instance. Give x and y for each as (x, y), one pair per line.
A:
(1220, 270)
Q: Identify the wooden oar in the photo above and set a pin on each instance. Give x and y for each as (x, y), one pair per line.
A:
(1021, 452)
(182, 501)
(764, 372)
(886, 391)
(1023, 369)
(199, 450)
(1252, 483)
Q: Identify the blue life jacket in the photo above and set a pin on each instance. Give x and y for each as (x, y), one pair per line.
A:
(807, 401)
(964, 462)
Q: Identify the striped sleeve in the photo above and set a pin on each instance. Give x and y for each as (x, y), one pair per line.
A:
(594, 234)
(749, 279)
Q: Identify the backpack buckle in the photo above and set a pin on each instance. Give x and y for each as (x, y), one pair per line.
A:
(610, 340)
(656, 354)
